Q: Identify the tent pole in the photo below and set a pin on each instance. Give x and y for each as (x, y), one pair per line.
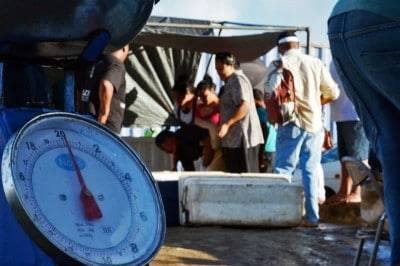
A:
(308, 40)
(209, 60)
(223, 26)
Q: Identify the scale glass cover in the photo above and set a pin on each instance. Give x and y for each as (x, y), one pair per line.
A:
(81, 193)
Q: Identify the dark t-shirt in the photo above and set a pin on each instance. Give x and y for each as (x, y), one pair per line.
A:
(113, 70)
(188, 142)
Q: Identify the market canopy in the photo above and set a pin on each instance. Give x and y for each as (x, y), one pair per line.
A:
(245, 47)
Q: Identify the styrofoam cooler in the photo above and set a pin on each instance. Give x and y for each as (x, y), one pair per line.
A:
(241, 200)
(268, 177)
(167, 182)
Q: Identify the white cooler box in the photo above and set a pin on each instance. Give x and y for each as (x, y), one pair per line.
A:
(262, 200)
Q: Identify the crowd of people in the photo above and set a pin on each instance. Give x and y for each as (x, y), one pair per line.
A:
(236, 139)
(229, 130)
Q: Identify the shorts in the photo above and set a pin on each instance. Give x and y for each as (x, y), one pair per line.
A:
(352, 140)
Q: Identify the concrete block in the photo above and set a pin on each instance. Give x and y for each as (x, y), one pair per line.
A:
(340, 213)
(268, 177)
(239, 201)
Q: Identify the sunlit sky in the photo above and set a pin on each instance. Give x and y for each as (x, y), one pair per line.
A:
(300, 13)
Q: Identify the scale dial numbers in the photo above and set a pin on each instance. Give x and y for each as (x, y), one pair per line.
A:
(49, 159)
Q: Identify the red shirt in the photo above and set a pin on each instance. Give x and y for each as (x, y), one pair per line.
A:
(208, 113)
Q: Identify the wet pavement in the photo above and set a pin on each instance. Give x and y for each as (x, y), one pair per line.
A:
(329, 244)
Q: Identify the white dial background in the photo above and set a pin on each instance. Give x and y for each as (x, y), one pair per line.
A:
(47, 184)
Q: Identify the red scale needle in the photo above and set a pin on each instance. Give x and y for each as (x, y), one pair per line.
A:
(90, 207)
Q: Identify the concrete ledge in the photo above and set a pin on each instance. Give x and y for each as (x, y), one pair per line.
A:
(218, 198)
(239, 201)
(270, 177)
(341, 213)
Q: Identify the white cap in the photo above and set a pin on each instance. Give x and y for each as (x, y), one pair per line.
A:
(288, 39)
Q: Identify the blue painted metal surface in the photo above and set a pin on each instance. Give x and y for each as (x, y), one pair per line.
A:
(16, 248)
(59, 28)
(69, 84)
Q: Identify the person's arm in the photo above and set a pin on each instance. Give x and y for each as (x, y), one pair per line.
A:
(212, 130)
(208, 152)
(241, 111)
(329, 88)
(273, 80)
(106, 91)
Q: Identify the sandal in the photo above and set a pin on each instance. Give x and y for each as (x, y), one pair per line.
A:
(308, 224)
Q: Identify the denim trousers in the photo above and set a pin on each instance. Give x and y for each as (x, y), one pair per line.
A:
(294, 145)
(366, 51)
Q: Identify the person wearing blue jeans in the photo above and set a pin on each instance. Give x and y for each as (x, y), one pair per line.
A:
(299, 136)
(364, 38)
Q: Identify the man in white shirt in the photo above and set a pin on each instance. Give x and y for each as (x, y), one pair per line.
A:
(300, 141)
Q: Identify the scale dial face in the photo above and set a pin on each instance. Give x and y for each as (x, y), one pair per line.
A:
(40, 170)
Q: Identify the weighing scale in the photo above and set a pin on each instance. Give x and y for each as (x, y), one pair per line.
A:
(79, 192)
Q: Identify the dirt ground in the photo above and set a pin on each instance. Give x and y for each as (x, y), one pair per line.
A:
(329, 244)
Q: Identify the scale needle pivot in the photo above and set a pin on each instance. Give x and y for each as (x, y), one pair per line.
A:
(90, 207)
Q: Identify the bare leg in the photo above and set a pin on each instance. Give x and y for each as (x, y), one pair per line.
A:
(355, 194)
(347, 193)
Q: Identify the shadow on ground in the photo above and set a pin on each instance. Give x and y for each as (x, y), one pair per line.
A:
(329, 244)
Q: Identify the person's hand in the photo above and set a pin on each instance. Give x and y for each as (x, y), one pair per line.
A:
(222, 130)
(208, 152)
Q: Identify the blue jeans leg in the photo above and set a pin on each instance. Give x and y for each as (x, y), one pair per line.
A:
(369, 70)
(294, 145)
(310, 158)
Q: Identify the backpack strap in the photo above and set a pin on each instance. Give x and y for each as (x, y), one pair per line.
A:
(87, 59)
